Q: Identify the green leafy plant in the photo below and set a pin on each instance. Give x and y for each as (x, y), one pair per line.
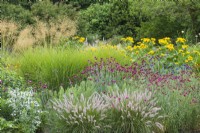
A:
(25, 110)
(7, 126)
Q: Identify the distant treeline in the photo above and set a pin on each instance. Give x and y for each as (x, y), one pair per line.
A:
(109, 18)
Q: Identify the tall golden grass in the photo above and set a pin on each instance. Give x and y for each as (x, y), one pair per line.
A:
(41, 33)
(9, 33)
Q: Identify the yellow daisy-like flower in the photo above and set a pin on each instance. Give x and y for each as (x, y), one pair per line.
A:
(151, 52)
(164, 41)
(180, 51)
(153, 40)
(167, 39)
(135, 47)
(143, 46)
(81, 39)
(170, 47)
(190, 58)
(129, 48)
(184, 46)
(186, 61)
(180, 40)
(130, 39)
(146, 40)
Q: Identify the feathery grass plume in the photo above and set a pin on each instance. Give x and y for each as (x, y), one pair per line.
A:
(134, 112)
(40, 32)
(25, 39)
(85, 115)
(52, 32)
(62, 28)
(9, 33)
(45, 33)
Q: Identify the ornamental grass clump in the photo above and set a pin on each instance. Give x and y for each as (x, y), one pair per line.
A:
(55, 66)
(119, 112)
(134, 112)
(84, 115)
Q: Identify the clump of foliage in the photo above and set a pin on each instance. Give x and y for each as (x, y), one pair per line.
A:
(141, 19)
(55, 66)
(104, 112)
(26, 110)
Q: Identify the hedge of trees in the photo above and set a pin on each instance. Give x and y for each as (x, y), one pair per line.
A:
(108, 18)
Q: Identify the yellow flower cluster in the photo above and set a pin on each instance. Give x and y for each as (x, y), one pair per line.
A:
(184, 46)
(79, 39)
(164, 41)
(190, 58)
(149, 40)
(180, 40)
(142, 46)
(129, 48)
(139, 47)
(179, 53)
(170, 47)
(128, 39)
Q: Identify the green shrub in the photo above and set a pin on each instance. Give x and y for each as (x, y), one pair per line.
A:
(7, 126)
(95, 20)
(10, 79)
(141, 19)
(46, 11)
(16, 13)
(5, 111)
